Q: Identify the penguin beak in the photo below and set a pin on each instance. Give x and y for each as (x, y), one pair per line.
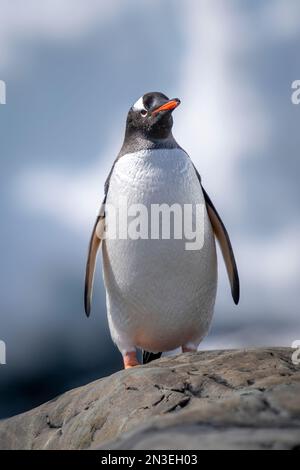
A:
(168, 106)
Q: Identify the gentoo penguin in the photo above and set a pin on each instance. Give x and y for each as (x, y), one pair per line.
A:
(160, 295)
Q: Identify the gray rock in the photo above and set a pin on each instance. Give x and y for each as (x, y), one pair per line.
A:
(241, 399)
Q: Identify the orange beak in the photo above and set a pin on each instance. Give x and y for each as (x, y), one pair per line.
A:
(169, 106)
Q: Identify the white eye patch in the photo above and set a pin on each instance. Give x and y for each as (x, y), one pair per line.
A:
(139, 105)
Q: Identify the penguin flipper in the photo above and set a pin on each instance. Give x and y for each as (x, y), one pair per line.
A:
(94, 245)
(149, 356)
(225, 245)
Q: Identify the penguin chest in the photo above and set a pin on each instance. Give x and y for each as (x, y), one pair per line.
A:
(160, 286)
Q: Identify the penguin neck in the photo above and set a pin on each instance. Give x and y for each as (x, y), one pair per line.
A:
(137, 142)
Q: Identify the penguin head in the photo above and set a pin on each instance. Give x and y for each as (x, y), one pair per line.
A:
(151, 116)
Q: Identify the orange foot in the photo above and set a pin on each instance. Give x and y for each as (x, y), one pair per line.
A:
(130, 360)
(186, 349)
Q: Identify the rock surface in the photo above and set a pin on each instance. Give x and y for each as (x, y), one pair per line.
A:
(240, 399)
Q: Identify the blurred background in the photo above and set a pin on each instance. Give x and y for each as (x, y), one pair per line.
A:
(72, 70)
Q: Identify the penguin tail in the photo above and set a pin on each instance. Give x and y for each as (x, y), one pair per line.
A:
(149, 356)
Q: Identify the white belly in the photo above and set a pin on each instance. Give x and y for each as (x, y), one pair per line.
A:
(159, 295)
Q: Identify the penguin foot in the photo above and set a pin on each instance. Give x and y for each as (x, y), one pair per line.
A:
(186, 349)
(130, 360)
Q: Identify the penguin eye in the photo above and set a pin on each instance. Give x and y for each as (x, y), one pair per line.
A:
(144, 112)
